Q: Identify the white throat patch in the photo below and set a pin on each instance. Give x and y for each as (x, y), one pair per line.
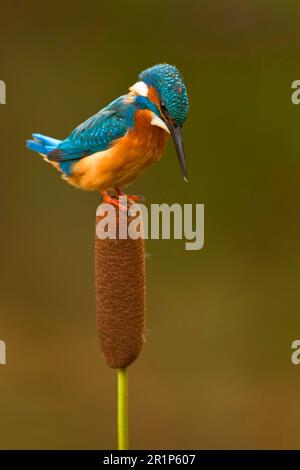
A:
(141, 89)
(156, 121)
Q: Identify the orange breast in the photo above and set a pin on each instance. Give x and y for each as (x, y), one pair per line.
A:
(137, 151)
(129, 157)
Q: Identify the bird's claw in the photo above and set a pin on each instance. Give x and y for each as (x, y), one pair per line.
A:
(114, 201)
(134, 197)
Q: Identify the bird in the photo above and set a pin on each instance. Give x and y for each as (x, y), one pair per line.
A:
(116, 145)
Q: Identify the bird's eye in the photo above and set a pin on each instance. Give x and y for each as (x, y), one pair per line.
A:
(163, 108)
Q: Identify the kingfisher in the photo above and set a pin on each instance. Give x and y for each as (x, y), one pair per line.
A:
(115, 146)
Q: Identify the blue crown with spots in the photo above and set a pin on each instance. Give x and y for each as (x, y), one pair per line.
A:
(169, 84)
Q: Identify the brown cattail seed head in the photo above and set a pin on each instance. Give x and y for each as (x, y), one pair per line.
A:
(120, 291)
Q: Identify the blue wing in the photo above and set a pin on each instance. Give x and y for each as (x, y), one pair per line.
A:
(94, 135)
(97, 133)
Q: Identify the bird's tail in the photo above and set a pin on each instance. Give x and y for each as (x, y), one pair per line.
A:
(42, 144)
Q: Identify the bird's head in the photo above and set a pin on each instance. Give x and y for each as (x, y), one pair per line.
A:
(164, 89)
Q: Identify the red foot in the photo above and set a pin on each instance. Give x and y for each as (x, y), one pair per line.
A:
(115, 202)
(133, 198)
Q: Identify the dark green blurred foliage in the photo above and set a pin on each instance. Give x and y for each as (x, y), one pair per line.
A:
(215, 371)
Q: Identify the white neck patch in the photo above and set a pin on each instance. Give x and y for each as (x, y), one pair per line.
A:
(140, 88)
(156, 121)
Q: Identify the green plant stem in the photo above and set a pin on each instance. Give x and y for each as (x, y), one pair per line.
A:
(123, 438)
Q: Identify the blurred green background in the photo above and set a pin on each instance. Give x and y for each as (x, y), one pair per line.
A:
(216, 370)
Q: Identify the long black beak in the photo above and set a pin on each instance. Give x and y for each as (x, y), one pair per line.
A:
(178, 142)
